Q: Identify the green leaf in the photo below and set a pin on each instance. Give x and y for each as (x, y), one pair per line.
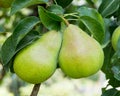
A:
(111, 66)
(116, 62)
(117, 15)
(63, 3)
(2, 29)
(94, 28)
(108, 53)
(107, 66)
(19, 4)
(111, 92)
(56, 9)
(50, 20)
(108, 7)
(7, 51)
(71, 8)
(0, 54)
(23, 28)
(90, 2)
(113, 81)
(9, 47)
(90, 12)
(93, 21)
(119, 20)
(116, 71)
(107, 38)
(28, 39)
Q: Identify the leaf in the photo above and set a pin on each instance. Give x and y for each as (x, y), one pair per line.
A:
(50, 20)
(119, 20)
(63, 3)
(94, 28)
(19, 4)
(0, 54)
(93, 13)
(93, 21)
(71, 8)
(107, 66)
(107, 38)
(7, 51)
(10, 45)
(111, 92)
(117, 15)
(116, 71)
(111, 66)
(113, 81)
(90, 2)
(2, 29)
(116, 62)
(108, 7)
(108, 53)
(56, 9)
(23, 28)
(28, 39)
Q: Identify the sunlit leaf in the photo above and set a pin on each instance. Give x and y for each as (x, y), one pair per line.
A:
(18, 4)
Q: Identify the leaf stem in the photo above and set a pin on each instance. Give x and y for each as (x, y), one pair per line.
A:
(72, 14)
(35, 90)
(72, 19)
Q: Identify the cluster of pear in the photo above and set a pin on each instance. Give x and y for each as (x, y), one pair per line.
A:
(78, 55)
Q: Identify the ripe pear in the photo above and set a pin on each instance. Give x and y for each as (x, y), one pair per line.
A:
(115, 37)
(38, 61)
(5, 3)
(80, 55)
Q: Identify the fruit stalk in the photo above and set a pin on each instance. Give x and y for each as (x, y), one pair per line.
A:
(66, 22)
(35, 89)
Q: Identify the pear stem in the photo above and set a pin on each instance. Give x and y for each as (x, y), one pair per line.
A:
(66, 22)
(35, 89)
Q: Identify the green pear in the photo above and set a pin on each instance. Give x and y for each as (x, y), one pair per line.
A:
(38, 61)
(115, 37)
(5, 3)
(80, 55)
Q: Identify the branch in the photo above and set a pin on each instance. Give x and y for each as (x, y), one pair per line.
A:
(35, 90)
(2, 74)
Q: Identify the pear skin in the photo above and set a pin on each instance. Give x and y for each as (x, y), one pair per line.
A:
(80, 55)
(115, 37)
(38, 61)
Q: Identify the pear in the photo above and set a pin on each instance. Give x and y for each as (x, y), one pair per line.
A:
(80, 55)
(38, 61)
(115, 37)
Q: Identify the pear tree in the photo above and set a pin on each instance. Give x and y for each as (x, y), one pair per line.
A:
(80, 39)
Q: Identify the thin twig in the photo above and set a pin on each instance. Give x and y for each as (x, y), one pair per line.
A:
(35, 90)
(2, 74)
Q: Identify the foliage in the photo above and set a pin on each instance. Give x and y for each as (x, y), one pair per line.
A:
(98, 21)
